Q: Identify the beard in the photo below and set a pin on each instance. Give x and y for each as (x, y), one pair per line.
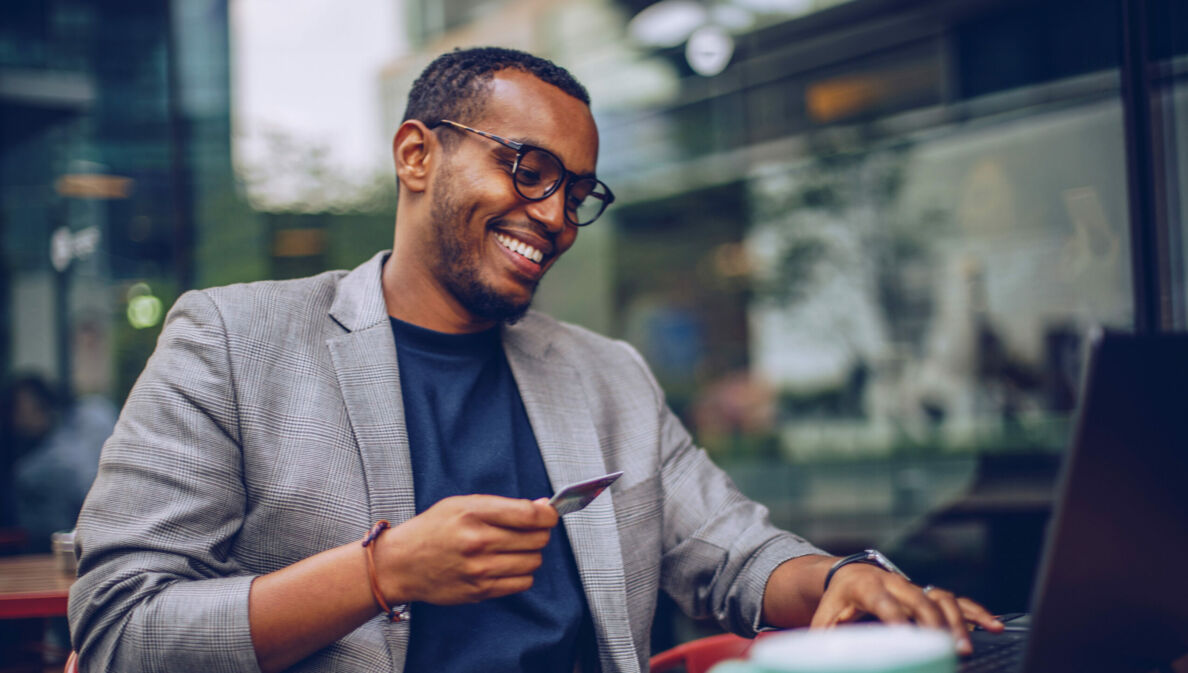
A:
(458, 264)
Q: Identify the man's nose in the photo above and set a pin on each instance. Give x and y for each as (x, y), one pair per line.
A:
(550, 211)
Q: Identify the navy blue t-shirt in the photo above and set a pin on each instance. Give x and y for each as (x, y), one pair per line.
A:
(469, 433)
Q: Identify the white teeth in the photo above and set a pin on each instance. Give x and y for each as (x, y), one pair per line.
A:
(519, 247)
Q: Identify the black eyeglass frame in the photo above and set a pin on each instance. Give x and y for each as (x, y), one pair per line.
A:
(567, 176)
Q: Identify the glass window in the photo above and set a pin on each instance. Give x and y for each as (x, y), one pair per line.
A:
(863, 265)
(1169, 103)
(115, 148)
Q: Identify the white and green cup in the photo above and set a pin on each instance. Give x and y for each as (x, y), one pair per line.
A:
(850, 648)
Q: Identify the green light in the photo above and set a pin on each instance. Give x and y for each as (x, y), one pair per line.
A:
(144, 311)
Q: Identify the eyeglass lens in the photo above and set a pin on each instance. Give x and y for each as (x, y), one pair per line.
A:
(538, 174)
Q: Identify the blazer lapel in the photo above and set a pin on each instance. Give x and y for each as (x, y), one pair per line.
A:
(560, 418)
(368, 375)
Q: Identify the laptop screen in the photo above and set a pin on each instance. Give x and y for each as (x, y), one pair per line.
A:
(1112, 591)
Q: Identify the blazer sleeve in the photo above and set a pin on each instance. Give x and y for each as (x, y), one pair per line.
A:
(719, 547)
(158, 588)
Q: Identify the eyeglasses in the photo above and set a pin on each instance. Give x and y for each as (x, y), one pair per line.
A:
(537, 173)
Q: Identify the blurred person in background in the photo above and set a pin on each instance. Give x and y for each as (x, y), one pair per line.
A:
(278, 421)
(51, 455)
(26, 417)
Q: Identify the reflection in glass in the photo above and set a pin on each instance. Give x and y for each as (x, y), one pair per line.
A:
(863, 261)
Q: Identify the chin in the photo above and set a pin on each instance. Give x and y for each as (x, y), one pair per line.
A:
(508, 313)
(485, 303)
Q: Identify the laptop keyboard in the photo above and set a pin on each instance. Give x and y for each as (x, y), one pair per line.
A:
(995, 653)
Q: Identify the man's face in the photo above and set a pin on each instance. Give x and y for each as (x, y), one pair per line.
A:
(487, 235)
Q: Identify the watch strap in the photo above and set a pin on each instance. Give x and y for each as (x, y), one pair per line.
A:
(869, 556)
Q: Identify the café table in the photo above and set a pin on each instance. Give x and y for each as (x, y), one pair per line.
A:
(33, 586)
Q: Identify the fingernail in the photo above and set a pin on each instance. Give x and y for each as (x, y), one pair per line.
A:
(964, 647)
(997, 622)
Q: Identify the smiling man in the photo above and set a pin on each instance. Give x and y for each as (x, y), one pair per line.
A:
(240, 520)
(477, 242)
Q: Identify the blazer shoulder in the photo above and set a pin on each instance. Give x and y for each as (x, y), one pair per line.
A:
(270, 300)
(592, 353)
(565, 335)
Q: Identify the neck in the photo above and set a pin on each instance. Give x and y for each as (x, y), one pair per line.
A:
(412, 294)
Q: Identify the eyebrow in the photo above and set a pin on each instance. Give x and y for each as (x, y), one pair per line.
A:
(533, 143)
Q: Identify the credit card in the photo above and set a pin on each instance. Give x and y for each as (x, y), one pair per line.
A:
(576, 496)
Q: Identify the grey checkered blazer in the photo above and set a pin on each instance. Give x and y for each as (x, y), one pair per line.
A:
(268, 426)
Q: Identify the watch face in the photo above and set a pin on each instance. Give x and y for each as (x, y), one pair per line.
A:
(885, 563)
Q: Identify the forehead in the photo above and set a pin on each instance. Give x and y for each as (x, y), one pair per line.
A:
(521, 107)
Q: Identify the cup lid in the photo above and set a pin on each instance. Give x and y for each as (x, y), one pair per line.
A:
(853, 647)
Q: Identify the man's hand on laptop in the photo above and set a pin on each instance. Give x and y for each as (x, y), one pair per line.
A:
(795, 596)
(858, 590)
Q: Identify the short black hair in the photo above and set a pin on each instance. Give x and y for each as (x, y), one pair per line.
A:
(453, 85)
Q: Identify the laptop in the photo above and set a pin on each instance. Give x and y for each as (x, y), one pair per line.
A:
(1111, 593)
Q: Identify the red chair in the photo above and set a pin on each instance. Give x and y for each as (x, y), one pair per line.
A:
(697, 656)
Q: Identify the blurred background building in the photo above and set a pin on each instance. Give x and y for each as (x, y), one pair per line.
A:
(860, 242)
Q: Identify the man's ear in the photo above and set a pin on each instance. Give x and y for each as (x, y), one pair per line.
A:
(414, 149)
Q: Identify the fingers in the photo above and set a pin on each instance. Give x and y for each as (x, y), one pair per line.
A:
(507, 565)
(979, 615)
(854, 594)
(888, 608)
(833, 611)
(487, 524)
(955, 613)
(510, 512)
(894, 600)
(492, 540)
(922, 606)
(504, 586)
(954, 620)
(465, 549)
(493, 577)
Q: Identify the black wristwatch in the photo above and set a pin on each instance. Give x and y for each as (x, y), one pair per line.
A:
(873, 557)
